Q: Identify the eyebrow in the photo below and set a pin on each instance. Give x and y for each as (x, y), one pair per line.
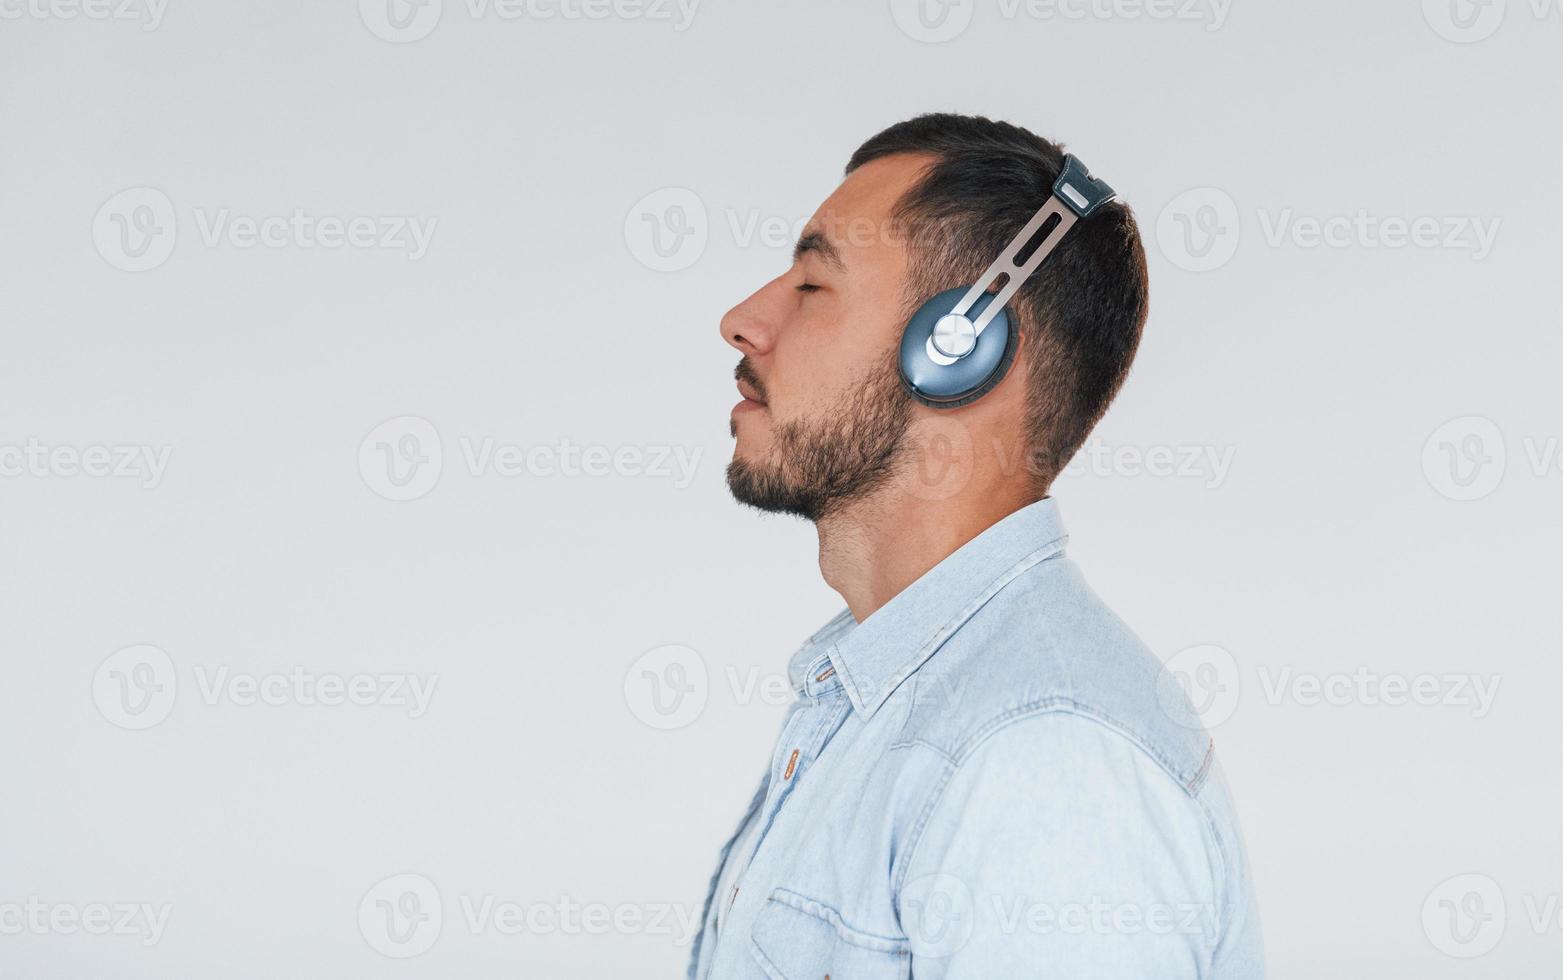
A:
(817, 243)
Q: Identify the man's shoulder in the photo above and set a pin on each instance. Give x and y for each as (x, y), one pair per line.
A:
(1047, 646)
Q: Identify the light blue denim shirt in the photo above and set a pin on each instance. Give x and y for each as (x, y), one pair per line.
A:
(989, 777)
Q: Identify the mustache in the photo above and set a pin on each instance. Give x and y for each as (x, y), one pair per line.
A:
(745, 372)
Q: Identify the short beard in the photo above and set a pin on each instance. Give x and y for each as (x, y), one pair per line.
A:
(819, 464)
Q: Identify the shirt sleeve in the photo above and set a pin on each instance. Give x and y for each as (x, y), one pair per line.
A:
(1059, 849)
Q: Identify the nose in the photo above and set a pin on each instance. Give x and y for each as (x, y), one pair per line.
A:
(751, 326)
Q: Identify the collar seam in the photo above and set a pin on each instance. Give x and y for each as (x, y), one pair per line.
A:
(942, 634)
(848, 679)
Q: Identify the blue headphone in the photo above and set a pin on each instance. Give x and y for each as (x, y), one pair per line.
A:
(959, 344)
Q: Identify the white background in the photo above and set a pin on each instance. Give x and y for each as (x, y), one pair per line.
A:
(541, 774)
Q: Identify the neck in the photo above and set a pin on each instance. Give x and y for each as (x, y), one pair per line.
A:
(871, 549)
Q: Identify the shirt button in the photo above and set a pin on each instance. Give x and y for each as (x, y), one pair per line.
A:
(792, 764)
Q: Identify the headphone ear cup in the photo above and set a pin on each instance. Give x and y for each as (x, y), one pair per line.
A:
(951, 384)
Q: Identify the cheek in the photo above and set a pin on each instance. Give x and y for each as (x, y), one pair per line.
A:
(829, 352)
(808, 381)
(873, 323)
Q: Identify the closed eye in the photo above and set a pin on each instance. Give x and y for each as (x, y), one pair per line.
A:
(807, 287)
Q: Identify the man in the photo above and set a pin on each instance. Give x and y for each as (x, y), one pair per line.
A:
(985, 774)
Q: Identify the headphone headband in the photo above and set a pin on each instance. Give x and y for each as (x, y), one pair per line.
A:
(1076, 194)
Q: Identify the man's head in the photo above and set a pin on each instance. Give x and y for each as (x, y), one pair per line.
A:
(925, 206)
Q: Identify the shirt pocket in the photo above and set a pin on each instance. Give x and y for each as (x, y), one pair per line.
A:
(796, 938)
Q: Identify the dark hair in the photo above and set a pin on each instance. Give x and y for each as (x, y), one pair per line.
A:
(1080, 316)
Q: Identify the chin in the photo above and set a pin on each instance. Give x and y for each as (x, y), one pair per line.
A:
(748, 454)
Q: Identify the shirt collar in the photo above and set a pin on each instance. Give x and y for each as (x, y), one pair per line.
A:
(873, 658)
